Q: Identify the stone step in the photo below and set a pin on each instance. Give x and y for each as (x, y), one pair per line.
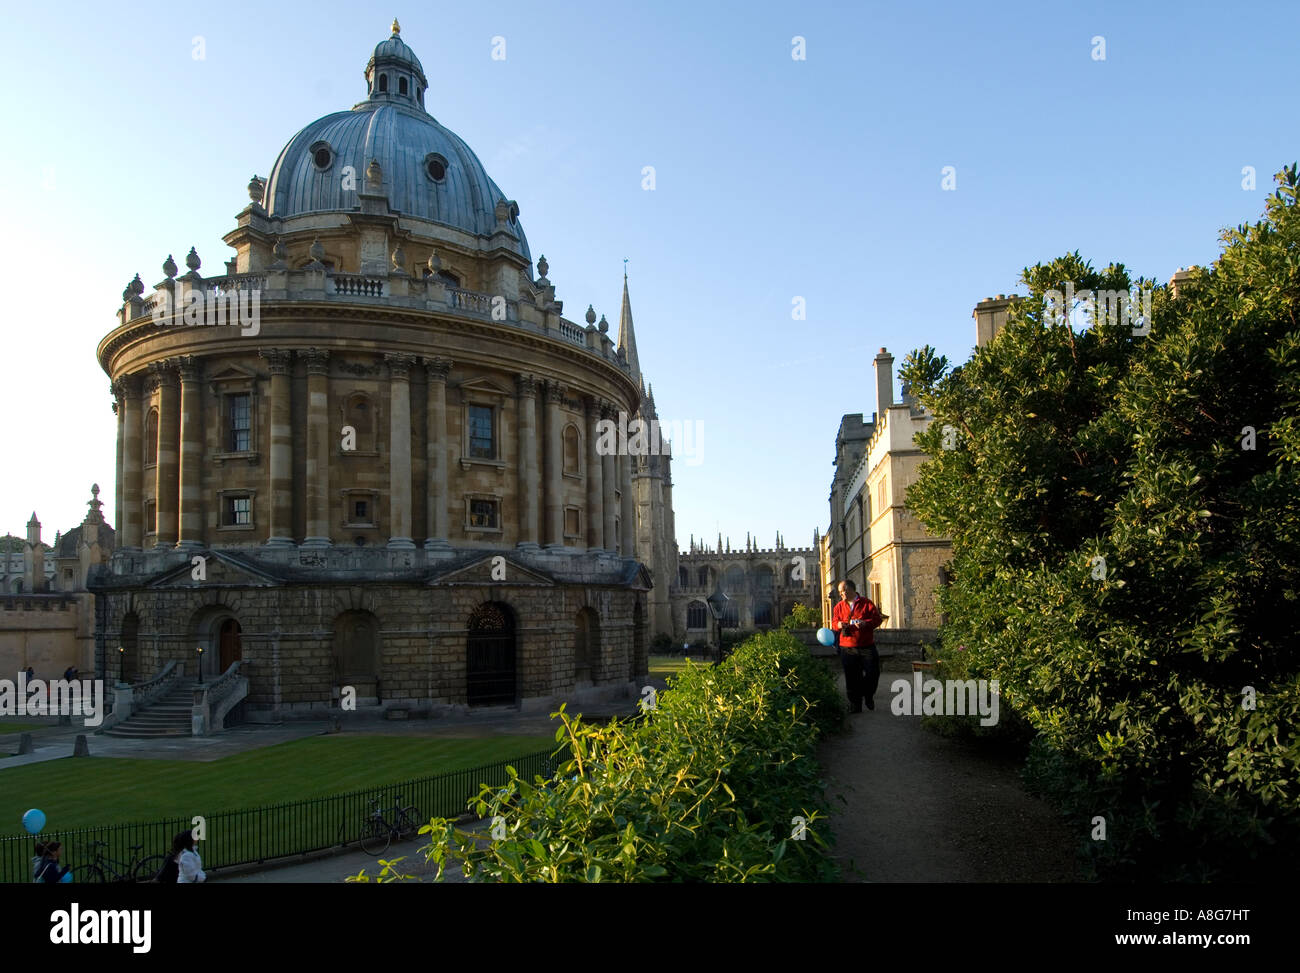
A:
(123, 730)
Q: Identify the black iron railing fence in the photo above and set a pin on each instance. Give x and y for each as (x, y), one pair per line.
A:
(275, 831)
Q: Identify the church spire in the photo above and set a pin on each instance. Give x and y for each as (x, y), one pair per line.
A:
(626, 336)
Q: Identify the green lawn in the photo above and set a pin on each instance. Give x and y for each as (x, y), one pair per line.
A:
(669, 665)
(19, 726)
(81, 793)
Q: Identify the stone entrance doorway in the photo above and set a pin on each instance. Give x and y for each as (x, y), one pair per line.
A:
(490, 671)
(230, 648)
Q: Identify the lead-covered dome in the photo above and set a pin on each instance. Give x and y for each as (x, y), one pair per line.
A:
(428, 171)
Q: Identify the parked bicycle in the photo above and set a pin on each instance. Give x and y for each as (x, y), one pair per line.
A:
(103, 869)
(380, 827)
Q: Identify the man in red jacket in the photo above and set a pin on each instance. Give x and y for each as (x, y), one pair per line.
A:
(854, 620)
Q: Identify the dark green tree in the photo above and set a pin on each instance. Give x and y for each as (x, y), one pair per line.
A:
(1125, 517)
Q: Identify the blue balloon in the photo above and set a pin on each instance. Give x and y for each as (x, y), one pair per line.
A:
(825, 636)
(34, 821)
(67, 877)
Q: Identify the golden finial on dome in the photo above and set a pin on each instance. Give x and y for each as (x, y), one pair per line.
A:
(397, 28)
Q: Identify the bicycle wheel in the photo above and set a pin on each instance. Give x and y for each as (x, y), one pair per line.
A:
(409, 823)
(88, 874)
(377, 837)
(146, 869)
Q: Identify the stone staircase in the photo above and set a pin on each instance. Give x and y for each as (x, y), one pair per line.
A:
(168, 717)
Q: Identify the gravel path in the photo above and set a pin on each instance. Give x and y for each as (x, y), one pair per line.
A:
(921, 808)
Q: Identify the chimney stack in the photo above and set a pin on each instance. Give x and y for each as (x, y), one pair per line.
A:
(884, 382)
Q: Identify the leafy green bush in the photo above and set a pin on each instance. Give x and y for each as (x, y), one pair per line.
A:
(1125, 516)
(801, 616)
(717, 783)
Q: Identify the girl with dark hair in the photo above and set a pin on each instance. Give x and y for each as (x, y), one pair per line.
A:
(188, 862)
(37, 859)
(49, 869)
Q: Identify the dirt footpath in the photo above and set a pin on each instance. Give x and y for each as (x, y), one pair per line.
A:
(921, 808)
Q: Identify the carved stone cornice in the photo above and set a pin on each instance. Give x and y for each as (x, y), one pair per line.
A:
(526, 386)
(318, 361)
(399, 366)
(358, 369)
(555, 392)
(277, 360)
(438, 368)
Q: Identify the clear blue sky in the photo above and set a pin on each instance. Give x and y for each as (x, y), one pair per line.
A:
(776, 178)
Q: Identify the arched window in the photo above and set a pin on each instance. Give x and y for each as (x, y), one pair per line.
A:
(586, 645)
(360, 415)
(733, 582)
(151, 439)
(401, 86)
(683, 578)
(383, 83)
(697, 615)
(706, 577)
(764, 577)
(572, 450)
(763, 613)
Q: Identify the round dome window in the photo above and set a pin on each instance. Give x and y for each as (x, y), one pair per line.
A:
(322, 155)
(436, 167)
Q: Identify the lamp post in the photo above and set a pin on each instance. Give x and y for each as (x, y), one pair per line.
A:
(717, 602)
(121, 665)
(199, 649)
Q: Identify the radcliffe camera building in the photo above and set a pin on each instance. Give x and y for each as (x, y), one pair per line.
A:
(390, 478)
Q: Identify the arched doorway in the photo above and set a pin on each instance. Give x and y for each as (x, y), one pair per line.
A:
(490, 674)
(129, 642)
(356, 653)
(230, 648)
(586, 647)
(640, 657)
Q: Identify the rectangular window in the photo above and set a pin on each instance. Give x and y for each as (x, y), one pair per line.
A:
(481, 445)
(483, 513)
(239, 422)
(239, 510)
(151, 517)
(359, 509)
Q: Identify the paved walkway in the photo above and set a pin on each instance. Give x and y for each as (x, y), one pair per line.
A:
(922, 808)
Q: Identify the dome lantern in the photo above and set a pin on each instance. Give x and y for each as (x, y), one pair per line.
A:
(394, 73)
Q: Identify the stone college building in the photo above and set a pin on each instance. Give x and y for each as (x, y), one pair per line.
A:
(366, 456)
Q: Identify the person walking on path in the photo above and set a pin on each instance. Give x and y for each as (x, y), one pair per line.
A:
(854, 620)
(188, 862)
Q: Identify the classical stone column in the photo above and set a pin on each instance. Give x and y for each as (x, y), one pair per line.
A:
(191, 471)
(554, 465)
(596, 538)
(529, 474)
(119, 411)
(399, 450)
(610, 484)
(627, 512)
(130, 413)
(280, 487)
(167, 482)
(436, 452)
(319, 436)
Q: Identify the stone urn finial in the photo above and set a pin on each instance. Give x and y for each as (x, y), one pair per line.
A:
(136, 286)
(169, 267)
(604, 325)
(317, 250)
(399, 258)
(192, 261)
(374, 176)
(256, 190)
(591, 314)
(543, 266)
(126, 292)
(280, 252)
(435, 263)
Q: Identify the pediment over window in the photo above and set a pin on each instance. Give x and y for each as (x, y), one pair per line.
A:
(493, 570)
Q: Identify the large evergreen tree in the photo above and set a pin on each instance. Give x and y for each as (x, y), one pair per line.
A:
(1125, 516)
